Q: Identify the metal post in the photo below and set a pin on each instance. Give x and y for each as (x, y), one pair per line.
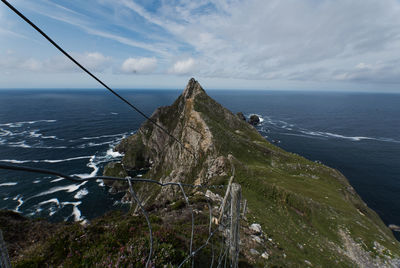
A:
(236, 195)
(4, 260)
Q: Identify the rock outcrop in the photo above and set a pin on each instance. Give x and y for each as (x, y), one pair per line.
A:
(254, 120)
(196, 159)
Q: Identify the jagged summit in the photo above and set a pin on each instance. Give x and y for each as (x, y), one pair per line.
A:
(192, 89)
(310, 211)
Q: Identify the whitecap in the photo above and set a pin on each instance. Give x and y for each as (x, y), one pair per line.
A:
(44, 160)
(68, 188)
(15, 161)
(307, 133)
(81, 193)
(334, 135)
(49, 147)
(53, 200)
(93, 144)
(58, 179)
(50, 137)
(114, 113)
(103, 136)
(65, 160)
(52, 209)
(114, 154)
(19, 124)
(8, 184)
(19, 144)
(20, 202)
(34, 134)
(4, 132)
(76, 213)
(37, 181)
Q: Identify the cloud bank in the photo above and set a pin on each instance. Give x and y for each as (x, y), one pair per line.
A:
(139, 65)
(259, 41)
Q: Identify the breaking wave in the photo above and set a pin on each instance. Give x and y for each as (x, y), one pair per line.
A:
(291, 129)
(8, 184)
(20, 124)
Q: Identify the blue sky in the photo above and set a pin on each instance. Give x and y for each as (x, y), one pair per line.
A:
(228, 44)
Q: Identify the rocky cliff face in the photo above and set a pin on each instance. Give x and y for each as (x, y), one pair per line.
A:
(309, 212)
(197, 159)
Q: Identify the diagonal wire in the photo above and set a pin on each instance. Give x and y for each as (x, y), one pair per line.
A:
(16, 11)
(200, 248)
(147, 219)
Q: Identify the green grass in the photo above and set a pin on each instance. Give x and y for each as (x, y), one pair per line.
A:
(119, 240)
(294, 199)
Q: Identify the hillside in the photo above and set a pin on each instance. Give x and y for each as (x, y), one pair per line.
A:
(308, 209)
(309, 213)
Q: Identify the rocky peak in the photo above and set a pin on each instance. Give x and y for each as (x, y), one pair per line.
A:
(192, 89)
(187, 119)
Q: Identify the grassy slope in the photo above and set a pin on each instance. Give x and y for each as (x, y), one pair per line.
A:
(121, 240)
(300, 204)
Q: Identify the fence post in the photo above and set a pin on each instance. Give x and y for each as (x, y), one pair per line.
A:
(4, 260)
(236, 195)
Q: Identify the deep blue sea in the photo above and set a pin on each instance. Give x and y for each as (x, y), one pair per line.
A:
(73, 131)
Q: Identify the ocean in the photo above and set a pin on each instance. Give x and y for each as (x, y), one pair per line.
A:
(74, 131)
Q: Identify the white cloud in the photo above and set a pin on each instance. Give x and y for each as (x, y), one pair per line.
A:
(377, 72)
(139, 65)
(284, 41)
(275, 39)
(183, 66)
(93, 61)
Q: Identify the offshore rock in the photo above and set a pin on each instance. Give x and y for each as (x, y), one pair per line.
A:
(254, 120)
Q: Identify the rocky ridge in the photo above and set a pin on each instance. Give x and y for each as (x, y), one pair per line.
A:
(310, 211)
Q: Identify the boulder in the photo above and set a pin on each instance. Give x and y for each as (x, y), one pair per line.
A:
(256, 228)
(254, 120)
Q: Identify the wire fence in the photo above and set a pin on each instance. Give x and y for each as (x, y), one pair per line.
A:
(224, 219)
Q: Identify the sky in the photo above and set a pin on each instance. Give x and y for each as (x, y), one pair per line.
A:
(349, 45)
